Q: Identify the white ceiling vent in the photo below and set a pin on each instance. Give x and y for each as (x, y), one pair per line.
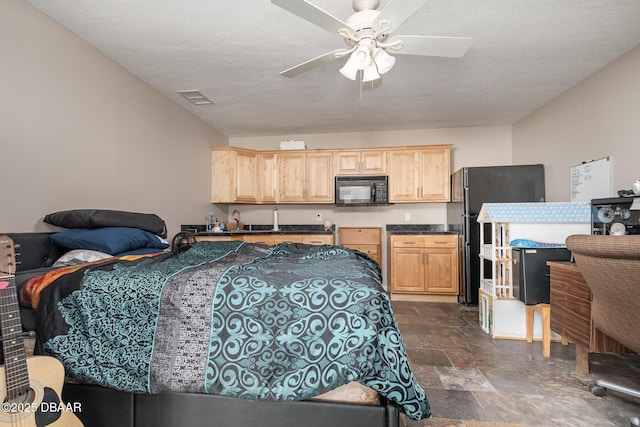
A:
(195, 97)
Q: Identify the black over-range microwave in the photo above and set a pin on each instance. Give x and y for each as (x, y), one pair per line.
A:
(362, 190)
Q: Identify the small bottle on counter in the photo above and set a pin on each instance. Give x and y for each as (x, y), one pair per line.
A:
(210, 221)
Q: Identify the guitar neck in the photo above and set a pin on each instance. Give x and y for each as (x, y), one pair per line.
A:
(17, 376)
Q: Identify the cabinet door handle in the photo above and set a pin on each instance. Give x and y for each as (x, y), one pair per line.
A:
(409, 243)
(426, 258)
(316, 241)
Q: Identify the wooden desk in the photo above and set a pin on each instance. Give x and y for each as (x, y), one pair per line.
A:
(571, 314)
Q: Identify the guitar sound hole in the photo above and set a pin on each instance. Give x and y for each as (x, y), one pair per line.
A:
(17, 404)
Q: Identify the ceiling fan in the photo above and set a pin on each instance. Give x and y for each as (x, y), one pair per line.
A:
(367, 35)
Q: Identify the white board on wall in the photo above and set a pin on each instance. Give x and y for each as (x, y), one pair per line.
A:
(591, 180)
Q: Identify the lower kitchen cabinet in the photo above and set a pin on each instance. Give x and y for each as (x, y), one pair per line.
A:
(309, 239)
(363, 239)
(264, 239)
(273, 239)
(423, 264)
(317, 239)
(218, 238)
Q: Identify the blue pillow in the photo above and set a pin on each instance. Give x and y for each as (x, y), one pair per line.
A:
(112, 240)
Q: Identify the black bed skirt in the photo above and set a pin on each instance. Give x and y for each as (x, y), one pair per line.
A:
(103, 407)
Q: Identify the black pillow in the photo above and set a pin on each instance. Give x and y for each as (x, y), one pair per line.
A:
(99, 218)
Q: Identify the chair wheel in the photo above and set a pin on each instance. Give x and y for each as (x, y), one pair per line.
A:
(597, 390)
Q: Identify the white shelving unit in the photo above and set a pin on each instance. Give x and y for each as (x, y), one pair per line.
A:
(501, 315)
(495, 248)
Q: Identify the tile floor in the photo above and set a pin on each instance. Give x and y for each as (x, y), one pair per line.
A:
(472, 380)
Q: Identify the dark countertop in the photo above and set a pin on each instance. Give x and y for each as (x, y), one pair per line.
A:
(201, 230)
(417, 229)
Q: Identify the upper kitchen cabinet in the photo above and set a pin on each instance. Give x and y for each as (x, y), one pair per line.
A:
(361, 162)
(267, 177)
(419, 174)
(233, 175)
(305, 177)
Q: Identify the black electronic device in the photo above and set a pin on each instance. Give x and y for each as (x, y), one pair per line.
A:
(615, 216)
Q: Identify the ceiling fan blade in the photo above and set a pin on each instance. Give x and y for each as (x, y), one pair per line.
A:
(312, 63)
(398, 11)
(313, 14)
(448, 47)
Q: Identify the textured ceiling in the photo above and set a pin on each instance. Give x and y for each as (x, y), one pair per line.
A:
(524, 53)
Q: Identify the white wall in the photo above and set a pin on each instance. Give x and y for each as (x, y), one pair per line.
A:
(79, 131)
(598, 117)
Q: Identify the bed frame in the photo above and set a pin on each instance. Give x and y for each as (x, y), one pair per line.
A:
(99, 406)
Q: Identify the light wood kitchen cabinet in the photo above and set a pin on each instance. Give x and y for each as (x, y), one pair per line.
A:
(233, 175)
(424, 264)
(305, 177)
(201, 238)
(317, 239)
(363, 162)
(309, 239)
(265, 239)
(416, 173)
(266, 177)
(419, 175)
(287, 238)
(364, 239)
(272, 239)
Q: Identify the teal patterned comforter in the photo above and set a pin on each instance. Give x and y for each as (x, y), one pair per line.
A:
(287, 322)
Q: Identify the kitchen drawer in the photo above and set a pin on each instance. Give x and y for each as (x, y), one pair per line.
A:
(218, 238)
(359, 236)
(318, 239)
(265, 239)
(407, 241)
(371, 250)
(441, 241)
(287, 238)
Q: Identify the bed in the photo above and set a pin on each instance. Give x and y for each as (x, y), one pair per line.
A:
(224, 333)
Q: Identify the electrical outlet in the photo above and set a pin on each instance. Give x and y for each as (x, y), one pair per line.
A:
(407, 216)
(318, 216)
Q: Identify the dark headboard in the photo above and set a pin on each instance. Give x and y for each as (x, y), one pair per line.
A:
(35, 250)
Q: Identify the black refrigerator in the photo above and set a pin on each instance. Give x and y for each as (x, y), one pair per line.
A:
(470, 188)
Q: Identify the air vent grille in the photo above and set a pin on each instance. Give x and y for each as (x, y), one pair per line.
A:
(195, 97)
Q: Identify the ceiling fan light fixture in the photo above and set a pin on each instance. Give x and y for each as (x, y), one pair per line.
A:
(383, 60)
(349, 70)
(370, 73)
(361, 58)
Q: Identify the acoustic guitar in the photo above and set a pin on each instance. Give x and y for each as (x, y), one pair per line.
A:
(30, 387)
